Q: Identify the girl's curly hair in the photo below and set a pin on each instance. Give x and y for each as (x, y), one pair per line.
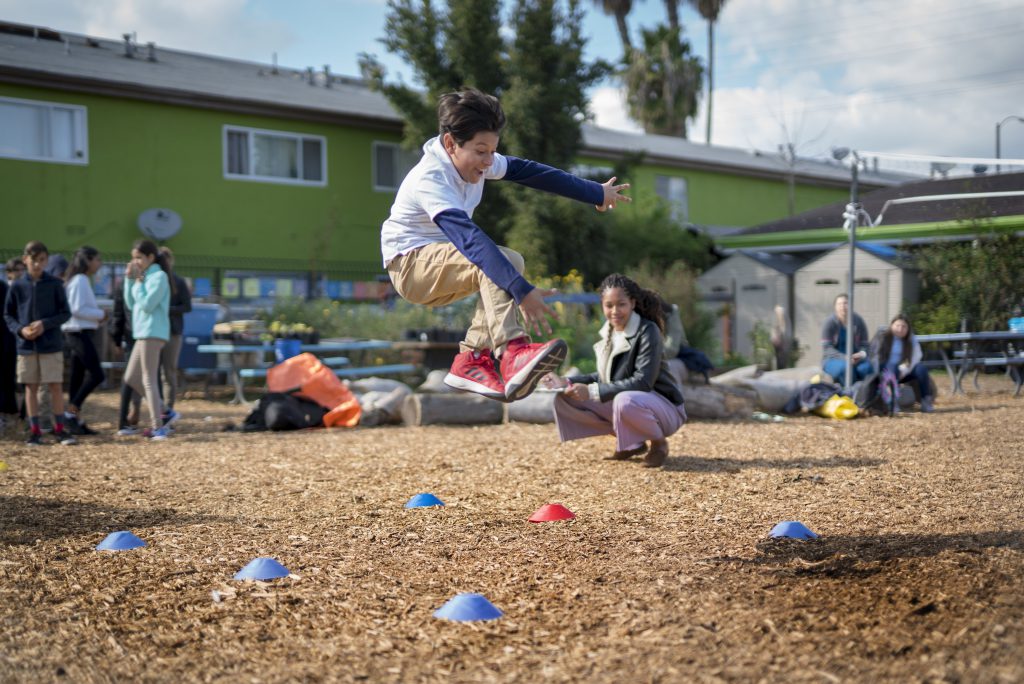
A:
(649, 303)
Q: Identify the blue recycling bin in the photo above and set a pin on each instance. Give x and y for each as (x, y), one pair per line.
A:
(285, 349)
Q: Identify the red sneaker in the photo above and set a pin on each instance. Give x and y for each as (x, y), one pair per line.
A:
(524, 364)
(474, 372)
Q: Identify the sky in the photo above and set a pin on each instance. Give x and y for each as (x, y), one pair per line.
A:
(924, 77)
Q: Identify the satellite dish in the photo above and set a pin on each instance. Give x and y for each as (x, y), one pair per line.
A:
(159, 224)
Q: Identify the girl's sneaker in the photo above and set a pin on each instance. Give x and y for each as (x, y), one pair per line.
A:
(65, 438)
(159, 434)
(127, 431)
(34, 439)
(171, 417)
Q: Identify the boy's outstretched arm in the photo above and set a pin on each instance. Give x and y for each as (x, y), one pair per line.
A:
(543, 177)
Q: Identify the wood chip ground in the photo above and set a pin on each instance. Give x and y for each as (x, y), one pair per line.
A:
(664, 576)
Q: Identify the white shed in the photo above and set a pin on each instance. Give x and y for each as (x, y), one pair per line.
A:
(884, 283)
(753, 283)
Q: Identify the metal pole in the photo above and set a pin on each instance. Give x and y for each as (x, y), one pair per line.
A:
(998, 126)
(851, 216)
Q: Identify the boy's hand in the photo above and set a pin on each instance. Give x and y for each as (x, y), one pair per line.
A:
(613, 194)
(535, 311)
(37, 329)
(27, 332)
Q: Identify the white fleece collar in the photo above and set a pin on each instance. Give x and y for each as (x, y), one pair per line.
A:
(620, 345)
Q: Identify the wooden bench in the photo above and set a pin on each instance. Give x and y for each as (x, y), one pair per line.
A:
(346, 372)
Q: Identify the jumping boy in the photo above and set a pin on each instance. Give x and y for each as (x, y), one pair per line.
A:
(34, 310)
(436, 255)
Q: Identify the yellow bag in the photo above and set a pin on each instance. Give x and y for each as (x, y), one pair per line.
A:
(839, 407)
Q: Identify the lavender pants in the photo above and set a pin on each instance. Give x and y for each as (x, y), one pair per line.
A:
(633, 417)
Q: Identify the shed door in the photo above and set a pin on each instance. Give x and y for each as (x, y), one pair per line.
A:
(755, 301)
(871, 298)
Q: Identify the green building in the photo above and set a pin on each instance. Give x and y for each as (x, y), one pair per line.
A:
(268, 181)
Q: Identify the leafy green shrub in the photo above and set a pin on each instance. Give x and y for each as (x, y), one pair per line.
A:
(333, 318)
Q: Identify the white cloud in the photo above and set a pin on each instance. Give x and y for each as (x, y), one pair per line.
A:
(920, 76)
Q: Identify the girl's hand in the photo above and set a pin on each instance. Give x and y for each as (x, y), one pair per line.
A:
(613, 194)
(578, 392)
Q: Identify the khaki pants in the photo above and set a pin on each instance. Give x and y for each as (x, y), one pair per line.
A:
(140, 375)
(438, 274)
(169, 362)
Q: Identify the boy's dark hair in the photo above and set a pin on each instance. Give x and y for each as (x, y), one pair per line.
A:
(467, 112)
(35, 248)
(13, 264)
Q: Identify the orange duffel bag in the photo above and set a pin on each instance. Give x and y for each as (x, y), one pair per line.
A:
(307, 377)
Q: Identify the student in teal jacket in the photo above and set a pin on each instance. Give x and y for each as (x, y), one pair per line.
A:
(147, 294)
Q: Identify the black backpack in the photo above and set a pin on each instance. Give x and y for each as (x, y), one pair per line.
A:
(284, 411)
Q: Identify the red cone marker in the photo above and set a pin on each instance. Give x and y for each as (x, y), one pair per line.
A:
(551, 512)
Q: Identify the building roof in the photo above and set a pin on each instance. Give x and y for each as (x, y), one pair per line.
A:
(787, 264)
(831, 215)
(34, 56)
(673, 151)
(46, 57)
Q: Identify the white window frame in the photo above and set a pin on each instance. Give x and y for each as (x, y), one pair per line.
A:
(400, 165)
(80, 131)
(680, 210)
(252, 177)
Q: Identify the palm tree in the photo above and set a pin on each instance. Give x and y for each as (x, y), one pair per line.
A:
(709, 11)
(619, 9)
(662, 82)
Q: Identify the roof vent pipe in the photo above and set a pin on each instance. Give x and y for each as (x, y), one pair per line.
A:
(274, 70)
(152, 51)
(327, 75)
(309, 76)
(129, 49)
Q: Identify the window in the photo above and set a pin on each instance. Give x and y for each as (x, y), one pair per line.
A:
(274, 156)
(390, 165)
(826, 281)
(43, 131)
(754, 287)
(672, 189)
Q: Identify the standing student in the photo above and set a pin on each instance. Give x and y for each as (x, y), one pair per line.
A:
(80, 335)
(34, 310)
(633, 394)
(120, 329)
(11, 391)
(833, 343)
(181, 304)
(436, 255)
(147, 294)
(8, 366)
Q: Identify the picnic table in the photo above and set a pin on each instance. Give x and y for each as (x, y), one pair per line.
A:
(977, 350)
(239, 369)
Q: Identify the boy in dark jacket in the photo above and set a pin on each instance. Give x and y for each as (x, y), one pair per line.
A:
(34, 310)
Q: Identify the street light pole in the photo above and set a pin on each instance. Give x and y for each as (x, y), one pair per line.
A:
(999, 125)
(850, 224)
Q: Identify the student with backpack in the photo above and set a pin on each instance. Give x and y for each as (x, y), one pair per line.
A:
(897, 351)
(79, 335)
(435, 254)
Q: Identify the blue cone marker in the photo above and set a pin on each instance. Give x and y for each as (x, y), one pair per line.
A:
(468, 608)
